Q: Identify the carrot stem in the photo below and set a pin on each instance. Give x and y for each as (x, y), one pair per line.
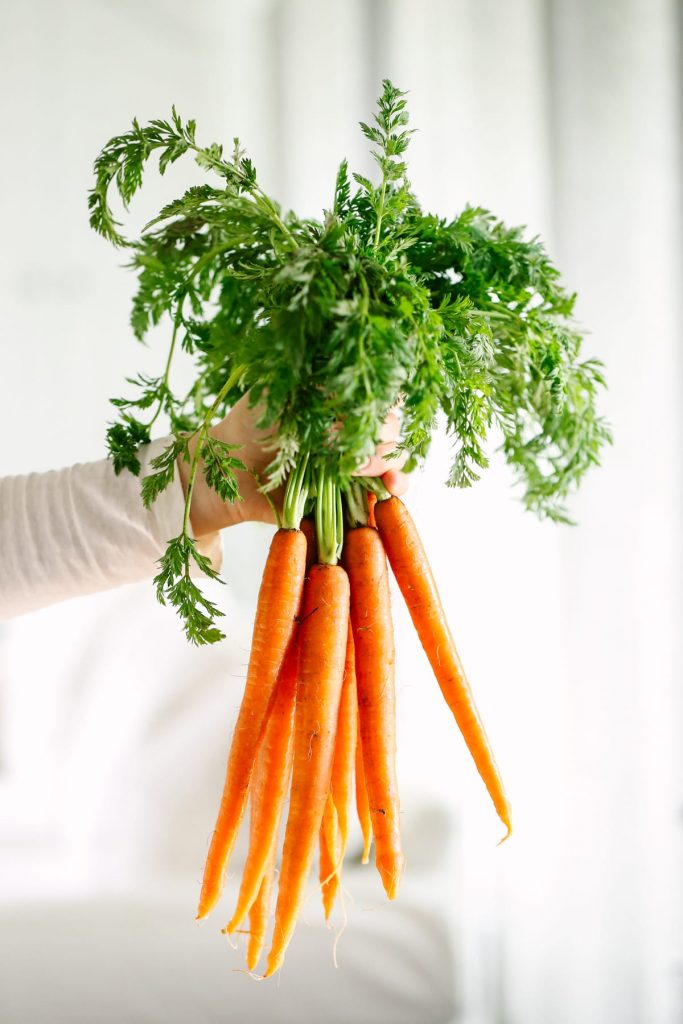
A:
(296, 495)
(329, 522)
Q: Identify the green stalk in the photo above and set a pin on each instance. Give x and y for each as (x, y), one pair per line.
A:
(356, 505)
(328, 521)
(201, 434)
(356, 498)
(296, 495)
(201, 262)
(339, 521)
(380, 211)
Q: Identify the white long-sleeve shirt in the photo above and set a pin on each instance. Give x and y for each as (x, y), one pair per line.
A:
(83, 529)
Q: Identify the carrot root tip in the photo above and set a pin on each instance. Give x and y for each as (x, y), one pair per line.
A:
(508, 826)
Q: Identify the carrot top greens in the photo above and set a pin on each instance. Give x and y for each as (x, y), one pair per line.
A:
(332, 321)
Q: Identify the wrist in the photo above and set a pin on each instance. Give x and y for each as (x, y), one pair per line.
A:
(208, 512)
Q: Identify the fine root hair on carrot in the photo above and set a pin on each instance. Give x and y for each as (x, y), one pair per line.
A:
(414, 576)
(341, 929)
(331, 854)
(233, 943)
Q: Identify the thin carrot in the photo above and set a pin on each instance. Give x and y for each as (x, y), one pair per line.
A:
(307, 527)
(334, 830)
(372, 501)
(323, 633)
(345, 744)
(278, 605)
(414, 577)
(362, 803)
(258, 913)
(270, 785)
(374, 646)
(330, 855)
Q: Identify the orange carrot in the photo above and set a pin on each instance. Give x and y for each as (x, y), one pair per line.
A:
(258, 913)
(374, 645)
(308, 529)
(323, 633)
(270, 785)
(362, 803)
(372, 501)
(278, 605)
(414, 576)
(334, 830)
(345, 745)
(330, 855)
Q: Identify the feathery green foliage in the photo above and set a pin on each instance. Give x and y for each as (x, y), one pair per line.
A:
(328, 323)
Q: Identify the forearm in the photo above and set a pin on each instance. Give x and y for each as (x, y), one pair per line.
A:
(80, 530)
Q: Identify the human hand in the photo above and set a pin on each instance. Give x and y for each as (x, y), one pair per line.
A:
(208, 512)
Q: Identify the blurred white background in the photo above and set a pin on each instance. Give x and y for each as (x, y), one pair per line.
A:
(562, 115)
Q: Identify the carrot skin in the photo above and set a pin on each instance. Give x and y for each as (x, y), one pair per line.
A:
(372, 501)
(323, 635)
(278, 605)
(270, 786)
(334, 830)
(414, 576)
(330, 856)
(258, 913)
(345, 744)
(373, 638)
(362, 803)
(307, 527)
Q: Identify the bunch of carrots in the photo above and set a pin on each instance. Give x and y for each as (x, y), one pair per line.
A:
(327, 324)
(319, 706)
